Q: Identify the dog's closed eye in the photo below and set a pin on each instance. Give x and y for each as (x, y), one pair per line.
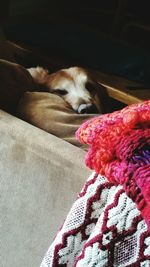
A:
(91, 88)
(61, 91)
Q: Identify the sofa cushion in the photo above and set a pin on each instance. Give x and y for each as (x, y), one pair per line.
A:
(52, 114)
(14, 81)
(40, 178)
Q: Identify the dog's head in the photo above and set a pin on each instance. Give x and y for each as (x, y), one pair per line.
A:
(75, 86)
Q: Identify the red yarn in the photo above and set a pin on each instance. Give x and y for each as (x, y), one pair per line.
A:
(120, 149)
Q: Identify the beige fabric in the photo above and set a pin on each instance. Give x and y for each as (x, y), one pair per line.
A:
(51, 113)
(40, 177)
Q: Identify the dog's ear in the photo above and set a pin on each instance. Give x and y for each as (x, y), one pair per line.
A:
(41, 77)
(100, 91)
(39, 74)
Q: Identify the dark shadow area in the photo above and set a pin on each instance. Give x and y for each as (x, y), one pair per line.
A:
(110, 36)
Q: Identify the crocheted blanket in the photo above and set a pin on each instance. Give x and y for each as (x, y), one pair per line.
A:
(120, 149)
(109, 224)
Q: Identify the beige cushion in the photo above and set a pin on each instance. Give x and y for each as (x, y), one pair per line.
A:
(40, 177)
(52, 114)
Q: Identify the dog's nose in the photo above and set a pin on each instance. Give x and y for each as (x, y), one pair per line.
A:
(87, 109)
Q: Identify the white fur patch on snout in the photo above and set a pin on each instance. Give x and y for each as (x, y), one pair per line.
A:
(84, 107)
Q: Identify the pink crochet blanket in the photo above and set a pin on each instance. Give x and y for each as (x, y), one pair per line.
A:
(109, 224)
(120, 149)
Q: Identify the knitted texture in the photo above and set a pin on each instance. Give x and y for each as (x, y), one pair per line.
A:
(103, 229)
(119, 148)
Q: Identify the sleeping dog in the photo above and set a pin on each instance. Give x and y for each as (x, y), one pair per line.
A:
(58, 103)
(75, 85)
(72, 97)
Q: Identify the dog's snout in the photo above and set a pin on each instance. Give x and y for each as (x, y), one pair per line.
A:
(87, 109)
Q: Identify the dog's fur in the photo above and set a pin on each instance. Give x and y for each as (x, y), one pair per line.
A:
(75, 85)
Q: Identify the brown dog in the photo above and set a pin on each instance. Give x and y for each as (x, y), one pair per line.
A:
(75, 85)
(71, 92)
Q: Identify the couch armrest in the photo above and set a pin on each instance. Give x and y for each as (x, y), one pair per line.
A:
(40, 178)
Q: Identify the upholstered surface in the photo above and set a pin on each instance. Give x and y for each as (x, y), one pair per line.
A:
(52, 114)
(14, 81)
(40, 175)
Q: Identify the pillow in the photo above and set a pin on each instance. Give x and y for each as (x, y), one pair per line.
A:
(52, 114)
(14, 81)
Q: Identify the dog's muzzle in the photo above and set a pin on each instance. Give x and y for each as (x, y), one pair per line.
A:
(87, 109)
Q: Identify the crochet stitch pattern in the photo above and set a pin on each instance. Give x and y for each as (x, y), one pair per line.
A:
(104, 227)
(119, 148)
